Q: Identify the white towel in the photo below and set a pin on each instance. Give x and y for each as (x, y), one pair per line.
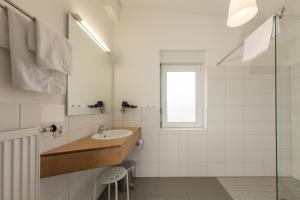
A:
(258, 42)
(53, 50)
(3, 30)
(25, 73)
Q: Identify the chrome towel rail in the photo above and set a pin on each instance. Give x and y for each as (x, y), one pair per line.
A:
(18, 8)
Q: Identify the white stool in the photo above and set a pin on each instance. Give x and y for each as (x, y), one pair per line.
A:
(109, 176)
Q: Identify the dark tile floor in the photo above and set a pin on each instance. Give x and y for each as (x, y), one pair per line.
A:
(175, 189)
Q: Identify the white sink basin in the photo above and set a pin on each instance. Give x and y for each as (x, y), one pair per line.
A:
(112, 134)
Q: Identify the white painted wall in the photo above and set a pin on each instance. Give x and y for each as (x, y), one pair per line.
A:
(240, 140)
(21, 109)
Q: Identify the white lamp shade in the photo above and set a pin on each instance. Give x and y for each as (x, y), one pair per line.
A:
(241, 11)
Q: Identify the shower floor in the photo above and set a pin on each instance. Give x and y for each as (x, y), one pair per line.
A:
(261, 188)
(175, 189)
(250, 188)
(227, 188)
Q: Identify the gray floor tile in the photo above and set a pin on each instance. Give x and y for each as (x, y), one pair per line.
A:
(175, 189)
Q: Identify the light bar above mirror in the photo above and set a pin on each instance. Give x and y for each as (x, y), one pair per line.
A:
(90, 32)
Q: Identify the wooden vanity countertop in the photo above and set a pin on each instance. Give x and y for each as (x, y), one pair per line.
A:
(88, 153)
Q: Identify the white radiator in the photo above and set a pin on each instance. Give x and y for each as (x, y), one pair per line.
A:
(19, 165)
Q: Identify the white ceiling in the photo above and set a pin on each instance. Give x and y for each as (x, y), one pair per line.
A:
(212, 8)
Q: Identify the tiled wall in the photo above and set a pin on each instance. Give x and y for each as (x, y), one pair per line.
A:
(75, 186)
(295, 120)
(284, 121)
(240, 140)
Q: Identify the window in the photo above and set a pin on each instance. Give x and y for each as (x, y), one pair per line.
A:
(183, 96)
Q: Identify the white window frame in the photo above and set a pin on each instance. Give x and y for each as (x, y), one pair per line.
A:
(201, 96)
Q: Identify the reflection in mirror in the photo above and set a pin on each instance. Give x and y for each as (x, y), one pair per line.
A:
(90, 86)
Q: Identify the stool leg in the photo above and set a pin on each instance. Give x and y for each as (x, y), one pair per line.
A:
(116, 183)
(109, 191)
(95, 191)
(127, 181)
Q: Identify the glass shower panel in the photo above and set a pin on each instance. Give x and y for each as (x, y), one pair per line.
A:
(288, 108)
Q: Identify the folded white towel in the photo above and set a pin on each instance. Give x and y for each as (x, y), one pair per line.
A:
(31, 36)
(53, 50)
(3, 30)
(258, 42)
(25, 72)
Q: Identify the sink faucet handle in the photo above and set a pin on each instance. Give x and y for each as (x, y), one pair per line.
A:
(102, 128)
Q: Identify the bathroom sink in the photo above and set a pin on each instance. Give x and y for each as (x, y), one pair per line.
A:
(112, 134)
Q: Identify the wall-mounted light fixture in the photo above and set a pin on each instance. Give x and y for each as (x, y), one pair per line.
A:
(90, 32)
(241, 11)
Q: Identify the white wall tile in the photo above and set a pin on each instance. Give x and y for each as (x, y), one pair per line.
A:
(253, 86)
(79, 122)
(150, 114)
(235, 155)
(150, 127)
(235, 72)
(169, 141)
(80, 133)
(253, 113)
(51, 187)
(253, 169)
(234, 141)
(30, 115)
(198, 169)
(235, 169)
(52, 113)
(198, 141)
(253, 155)
(253, 72)
(150, 141)
(198, 155)
(269, 169)
(147, 155)
(237, 99)
(167, 155)
(253, 141)
(216, 113)
(9, 116)
(216, 155)
(148, 169)
(216, 141)
(80, 187)
(235, 86)
(216, 169)
(48, 143)
(252, 127)
(183, 155)
(62, 196)
(216, 73)
(235, 127)
(183, 169)
(217, 99)
(168, 169)
(216, 86)
(217, 127)
(183, 141)
(234, 113)
(131, 123)
(132, 115)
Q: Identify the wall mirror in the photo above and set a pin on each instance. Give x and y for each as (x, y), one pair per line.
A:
(90, 84)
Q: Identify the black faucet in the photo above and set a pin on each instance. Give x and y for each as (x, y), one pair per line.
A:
(99, 105)
(126, 105)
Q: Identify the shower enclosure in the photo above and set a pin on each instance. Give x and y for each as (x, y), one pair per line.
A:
(287, 76)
